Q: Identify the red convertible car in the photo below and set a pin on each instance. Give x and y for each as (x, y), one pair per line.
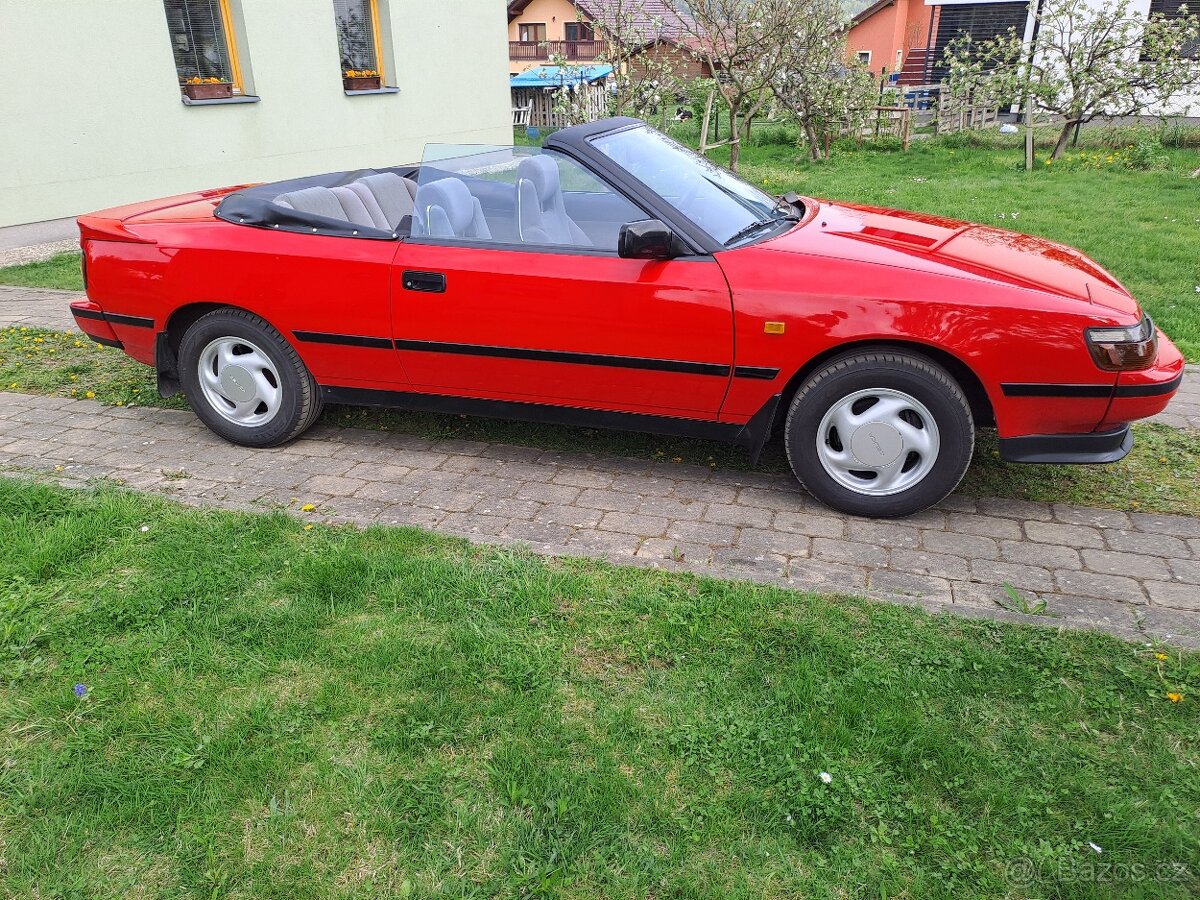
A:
(615, 279)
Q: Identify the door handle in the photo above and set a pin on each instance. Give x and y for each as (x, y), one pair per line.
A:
(424, 282)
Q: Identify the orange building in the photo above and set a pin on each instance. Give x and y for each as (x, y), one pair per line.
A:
(892, 36)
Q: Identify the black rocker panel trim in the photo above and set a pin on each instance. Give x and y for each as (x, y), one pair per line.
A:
(114, 318)
(1070, 449)
(349, 340)
(750, 436)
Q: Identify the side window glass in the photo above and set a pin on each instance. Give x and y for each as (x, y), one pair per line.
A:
(517, 195)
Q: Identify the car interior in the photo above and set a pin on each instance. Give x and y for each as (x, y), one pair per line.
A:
(520, 202)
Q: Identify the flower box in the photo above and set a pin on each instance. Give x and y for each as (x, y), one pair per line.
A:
(209, 91)
(363, 83)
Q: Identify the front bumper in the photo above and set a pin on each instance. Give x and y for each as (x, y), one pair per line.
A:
(1069, 449)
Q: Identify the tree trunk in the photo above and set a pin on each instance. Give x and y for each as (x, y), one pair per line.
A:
(735, 140)
(1064, 138)
(814, 141)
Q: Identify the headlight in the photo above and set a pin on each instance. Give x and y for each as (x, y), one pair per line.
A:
(1124, 349)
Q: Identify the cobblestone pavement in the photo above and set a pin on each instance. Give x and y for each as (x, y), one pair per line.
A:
(1136, 576)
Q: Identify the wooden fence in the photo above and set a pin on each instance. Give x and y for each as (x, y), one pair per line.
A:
(590, 100)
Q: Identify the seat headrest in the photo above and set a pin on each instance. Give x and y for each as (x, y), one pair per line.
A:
(542, 172)
(453, 198)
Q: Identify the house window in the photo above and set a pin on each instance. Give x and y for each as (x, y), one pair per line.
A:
(202, 39)
(863, 56)
(1177, 9)
(360, 38)
(580, 31)
(534, 32)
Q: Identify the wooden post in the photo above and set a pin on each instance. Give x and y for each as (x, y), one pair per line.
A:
(707, 118)
(1028, 134)
(907, 126)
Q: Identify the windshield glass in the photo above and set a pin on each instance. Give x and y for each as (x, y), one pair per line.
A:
(712, 197)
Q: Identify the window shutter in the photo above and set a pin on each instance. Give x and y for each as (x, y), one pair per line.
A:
(356, 35)
(198, 39)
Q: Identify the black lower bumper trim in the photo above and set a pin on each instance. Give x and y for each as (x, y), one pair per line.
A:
(1069, 449)
(107, 342)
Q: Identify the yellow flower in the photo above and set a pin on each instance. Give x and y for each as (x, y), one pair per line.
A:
(308, 507)
(91, 395)
(1174, 697)
(308, 528)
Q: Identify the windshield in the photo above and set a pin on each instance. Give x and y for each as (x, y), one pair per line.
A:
(712, 197)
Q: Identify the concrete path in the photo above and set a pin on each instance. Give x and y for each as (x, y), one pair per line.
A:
(37, 240)
(1133, 575)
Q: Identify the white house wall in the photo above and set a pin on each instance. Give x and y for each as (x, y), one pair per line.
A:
(90, 112)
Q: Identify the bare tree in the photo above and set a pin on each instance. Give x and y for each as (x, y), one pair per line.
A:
(745, 43)
(638, 41)
(816, 84)
(1091, 59)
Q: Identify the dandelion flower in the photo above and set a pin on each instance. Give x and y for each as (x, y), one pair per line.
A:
(1161, 657)
(91, 395)
(1174, 697)
(308, 507)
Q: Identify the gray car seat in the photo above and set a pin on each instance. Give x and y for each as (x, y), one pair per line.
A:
(445, 208)
(541, 213)
(395, 196)
(376, 201)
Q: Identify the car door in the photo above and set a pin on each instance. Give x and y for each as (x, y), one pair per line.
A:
(511, 309)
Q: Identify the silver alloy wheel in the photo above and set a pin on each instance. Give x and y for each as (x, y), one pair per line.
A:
(878, 442)
(239, 382)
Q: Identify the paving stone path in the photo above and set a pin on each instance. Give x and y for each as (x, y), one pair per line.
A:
(1133, 575)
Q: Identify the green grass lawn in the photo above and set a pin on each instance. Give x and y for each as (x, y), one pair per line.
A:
(1159, 476)
(273, 711)
(61, 272)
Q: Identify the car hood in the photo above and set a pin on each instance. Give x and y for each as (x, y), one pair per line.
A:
(933, 244)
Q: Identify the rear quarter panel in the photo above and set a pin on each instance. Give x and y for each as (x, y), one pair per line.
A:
(294, 281)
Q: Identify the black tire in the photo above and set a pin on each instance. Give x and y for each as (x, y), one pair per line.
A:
(299, 402)
(919, 378)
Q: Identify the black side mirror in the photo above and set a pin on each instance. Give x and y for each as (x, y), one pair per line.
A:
(651, 239)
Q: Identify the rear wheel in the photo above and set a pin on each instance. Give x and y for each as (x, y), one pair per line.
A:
(881, 434)
(244, 381)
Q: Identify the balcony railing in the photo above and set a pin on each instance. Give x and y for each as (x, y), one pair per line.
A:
(545, 49)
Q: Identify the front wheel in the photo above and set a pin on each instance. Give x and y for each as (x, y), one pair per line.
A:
(880, 434)
(244, 381)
